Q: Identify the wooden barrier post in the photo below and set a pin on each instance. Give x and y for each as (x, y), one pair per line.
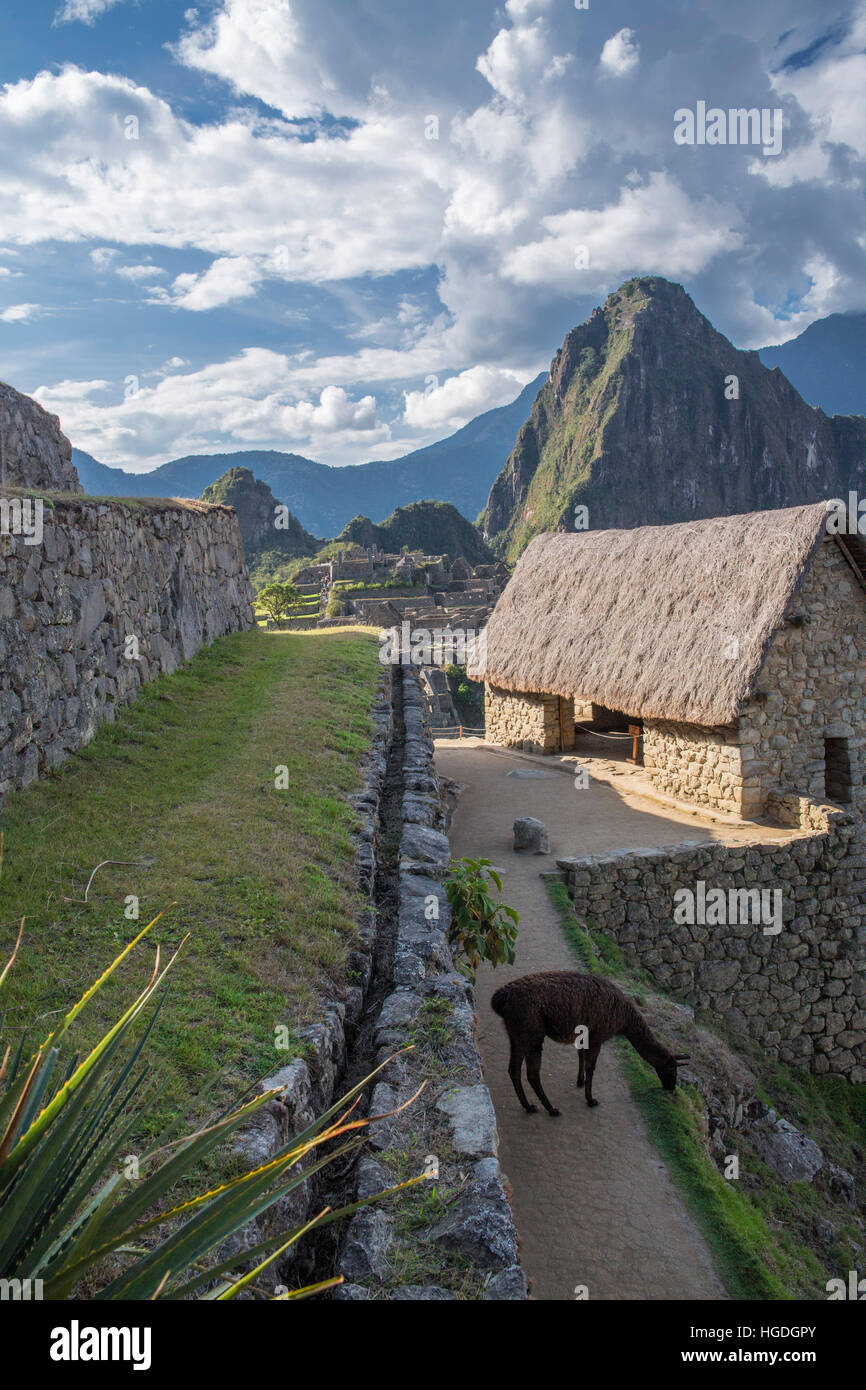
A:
(635, 731)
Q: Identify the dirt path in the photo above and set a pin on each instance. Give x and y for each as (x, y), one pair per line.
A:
(595, 1205)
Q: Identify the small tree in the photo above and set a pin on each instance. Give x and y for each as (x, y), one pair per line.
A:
(480, 928)
(277, 599)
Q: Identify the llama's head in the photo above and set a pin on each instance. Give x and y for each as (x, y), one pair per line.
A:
(667, 1069)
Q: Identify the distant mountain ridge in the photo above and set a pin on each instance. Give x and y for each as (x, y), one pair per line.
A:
(459, 470)
(634, 423)
(757, 458)
(826, 363)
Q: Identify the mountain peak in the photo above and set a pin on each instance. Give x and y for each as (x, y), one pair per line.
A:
(257, 511)
(651, 416)
(436, 528)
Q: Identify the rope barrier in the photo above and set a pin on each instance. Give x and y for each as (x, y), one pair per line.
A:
(460, 729)
(466, 729)
(596, 733)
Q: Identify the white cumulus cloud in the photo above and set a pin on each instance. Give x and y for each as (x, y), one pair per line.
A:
(140, 274)
(248, 401)
(21, 313)
(460, 398)
(226, 279)
(261, 47)
(519, 58)
(620, 54)
(335, 412)
(654, 228)
(83, 11)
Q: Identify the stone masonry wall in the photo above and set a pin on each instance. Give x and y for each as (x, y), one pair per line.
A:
(815, 679)
(696, 764)
(453, 1118)
(516, 719)
(801, 992)
(172, 576)
(812, 686)
(34, 452)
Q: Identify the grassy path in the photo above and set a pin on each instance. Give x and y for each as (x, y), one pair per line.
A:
(259, 875)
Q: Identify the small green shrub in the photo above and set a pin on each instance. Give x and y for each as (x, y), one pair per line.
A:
(481, 929)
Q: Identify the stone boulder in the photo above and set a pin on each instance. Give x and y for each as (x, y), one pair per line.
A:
(531, 835)
(508, 1286)
(792, 1156)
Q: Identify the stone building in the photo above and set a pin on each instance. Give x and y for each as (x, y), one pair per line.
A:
(737, 645)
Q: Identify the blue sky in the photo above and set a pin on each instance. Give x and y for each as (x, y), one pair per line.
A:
(345, 227)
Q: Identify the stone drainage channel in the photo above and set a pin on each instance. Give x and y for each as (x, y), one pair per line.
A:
(453, 1235)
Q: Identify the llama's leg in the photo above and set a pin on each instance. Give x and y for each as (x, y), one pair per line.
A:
(533, 1072)
(591, 1059)
(581, 1068)
(515, 1063)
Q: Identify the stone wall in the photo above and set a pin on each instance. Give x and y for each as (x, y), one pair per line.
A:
(812, 687)
(815, 682)
(34, 453)
(113, 596)
(535, 723)
(790, 808)
(800, 992)
(430, 1008)
(699, 765)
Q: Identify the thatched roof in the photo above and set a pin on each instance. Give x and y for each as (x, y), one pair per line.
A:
(664, 622)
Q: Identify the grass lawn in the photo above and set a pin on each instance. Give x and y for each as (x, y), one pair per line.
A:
(184, 783)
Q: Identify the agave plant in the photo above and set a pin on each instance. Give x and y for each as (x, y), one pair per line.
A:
(67, 1209)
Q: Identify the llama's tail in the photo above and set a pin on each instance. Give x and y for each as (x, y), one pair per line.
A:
(499, 1001)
